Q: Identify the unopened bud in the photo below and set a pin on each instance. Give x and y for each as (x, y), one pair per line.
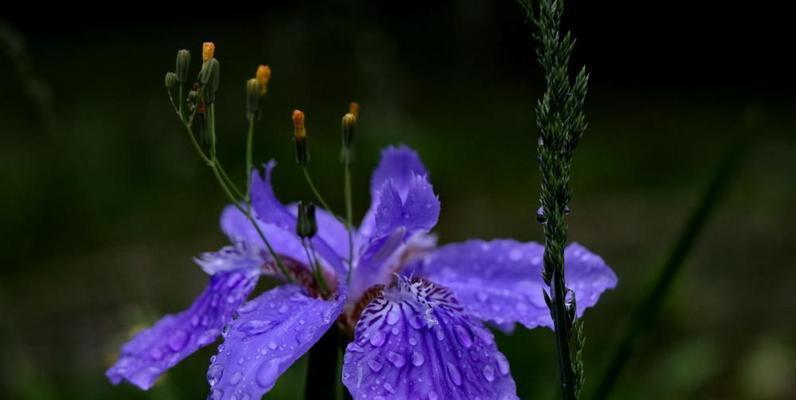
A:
(171, 80)
(349, 124)
(306, 227)
(183, 65)
(300, 136)
(353, 108)
(263, 75)
(210, 76)
(252, 97)
(208, 51)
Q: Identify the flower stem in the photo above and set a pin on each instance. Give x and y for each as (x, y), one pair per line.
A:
(348, 218)
(322, 377)
(249, 156)
(315, 191)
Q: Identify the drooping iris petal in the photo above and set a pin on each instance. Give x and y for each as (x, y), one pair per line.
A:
(240, 255)
(269, 209)
(271, 332)
(501, 280)
(154, 350)
(587, 275)
(416, 342)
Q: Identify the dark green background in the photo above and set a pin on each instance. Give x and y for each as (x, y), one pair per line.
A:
(104, 203)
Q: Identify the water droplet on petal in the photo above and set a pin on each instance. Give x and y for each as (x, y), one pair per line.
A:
(432, 395)
(375, 365)
(454, 374)
(377, 338)
(236, 377)
(214, 374)
(464, 336)
(393, 316)
(156, 353)
(489, 372)
(267, 373)
(396, 359)
(247, 307)
(255, 327)
(503, 363)
(272, 345)
(418, 359)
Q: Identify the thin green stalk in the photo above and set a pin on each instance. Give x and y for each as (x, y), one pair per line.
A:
(315, 191)
(249, 156)
(650, 307)
(316, 266)
(179, 100)
(348, 219)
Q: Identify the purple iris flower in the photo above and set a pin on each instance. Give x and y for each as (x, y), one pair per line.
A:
(416, 312)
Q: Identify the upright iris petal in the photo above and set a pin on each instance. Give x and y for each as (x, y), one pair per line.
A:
(415, 341)
(151, 352)
(501, 280)
(271, 332)
(404, 206)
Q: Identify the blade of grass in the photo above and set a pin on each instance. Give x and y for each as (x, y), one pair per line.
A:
(647, 311)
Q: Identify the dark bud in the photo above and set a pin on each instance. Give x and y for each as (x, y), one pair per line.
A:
(171, 80)
(183, 65)
(252, 97)
(210, 77)
(306, 227)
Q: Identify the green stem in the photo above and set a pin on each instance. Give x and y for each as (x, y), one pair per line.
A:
(249, 156)
(316, 266)
(348, 219)
(316, 192)
(649, 308)
(179, 100)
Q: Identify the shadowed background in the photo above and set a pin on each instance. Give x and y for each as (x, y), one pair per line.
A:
(104, 203)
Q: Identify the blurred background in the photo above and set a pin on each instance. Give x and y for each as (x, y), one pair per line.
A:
(104, 203)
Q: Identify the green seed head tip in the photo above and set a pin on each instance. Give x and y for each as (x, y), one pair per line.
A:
(183, 65)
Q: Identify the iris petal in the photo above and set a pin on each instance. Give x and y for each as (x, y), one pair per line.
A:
(271, 332)
(501, 280)
(415, 341)
(154, 350)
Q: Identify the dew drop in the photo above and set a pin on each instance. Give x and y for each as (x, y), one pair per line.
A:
(455, 375)
(255, 327)
(489, 373)
(156, 353)
(266, 374)
(377, 338)
(503, 363)
(214, 374)
(247, 307)
(432, 395)
(396, 359)
(375, 365)
(272, 345)
(393, 316)
(464, 336)
(236, 377)
(418, 359)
